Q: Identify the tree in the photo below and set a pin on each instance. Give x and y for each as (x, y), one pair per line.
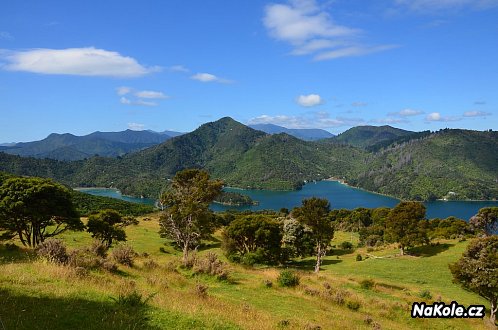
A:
(255, 237)
(34, 209)
(406, 225)
(297, 238)
(477, 270)
(314, 213)
(486, 220)
(107, 226)
(187, 218)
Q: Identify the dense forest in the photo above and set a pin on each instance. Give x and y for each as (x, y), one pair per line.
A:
(453, 164)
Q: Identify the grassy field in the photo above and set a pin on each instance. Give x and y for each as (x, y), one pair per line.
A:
(38, 295)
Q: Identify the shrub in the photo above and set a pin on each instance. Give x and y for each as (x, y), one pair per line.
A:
(268, 283)
(132, 299)
(425, 294)
(346, 245)
(337, 296)
(201, 290)
(85, 258)
(253, 258)
(98, 248)
(287, 278)
(150, 264)
(367, 284)
(359, 257)
(211, 265)
(81, 271)
(353, 305)
(311, 291)
(123, 254)
(53, 250)
(130, 220)
(283, 323)
(109, 266)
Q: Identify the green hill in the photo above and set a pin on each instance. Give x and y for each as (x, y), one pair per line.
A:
(368, 136)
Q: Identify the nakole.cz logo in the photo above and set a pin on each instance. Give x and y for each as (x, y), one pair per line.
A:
(441, 310)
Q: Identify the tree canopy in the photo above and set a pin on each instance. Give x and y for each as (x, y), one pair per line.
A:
(107, 226)
(34, 209)
(486, 220)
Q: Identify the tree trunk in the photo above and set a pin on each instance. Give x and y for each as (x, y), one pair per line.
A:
(402, 250)
(493, 310)
(185, 254)
(318, 258)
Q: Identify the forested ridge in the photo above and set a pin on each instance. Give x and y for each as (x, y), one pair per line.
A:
(455, 164)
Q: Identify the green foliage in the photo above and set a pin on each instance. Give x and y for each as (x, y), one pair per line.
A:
(406, 225)
(425, 294)
(87, 204)
(297, 238)
(367, 284)
(187, 218)
(132, 299)
(35, 209)
(234, 199)
(450, 227)
(353, 305)
(314, 213)
(486, 220)
(477, 270)
(370, 136)
(107, 226)
(254, 239)
(288, 278)
(53, 250)
(359, 257)
(346, 245)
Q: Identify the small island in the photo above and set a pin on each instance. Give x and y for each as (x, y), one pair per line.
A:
(234, 199)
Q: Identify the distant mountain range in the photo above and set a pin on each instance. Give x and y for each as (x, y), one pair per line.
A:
(71, 147)
(407, 165)
(306, 134)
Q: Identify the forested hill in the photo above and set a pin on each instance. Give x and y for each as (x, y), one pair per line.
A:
(456, 164)
(369, 136)
(71, 147)
(420, 167)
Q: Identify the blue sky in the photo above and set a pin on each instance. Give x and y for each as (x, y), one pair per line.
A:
(78, 67)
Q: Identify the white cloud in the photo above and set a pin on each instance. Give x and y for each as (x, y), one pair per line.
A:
(151, 95)
(476, 114)
(437, 5)
(88, 61)
(320, 119)
(123, 90)
(127, 101)
(389, 121)
(309, 100)
(178, 68)
(6, 35)
(208, 77)
(436, 116)
(309, 29)
(359, 104)
(406, 113)
(136, 126)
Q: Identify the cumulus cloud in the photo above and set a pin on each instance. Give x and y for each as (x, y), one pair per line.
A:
(136, 126)
(88, 61)
(437, 5)
(151, 95)
(476, 114)
(127, 101)
(320, 119)
(309, 29)
(208, 77)
(436, 116)
(406, 113)
(309, 100)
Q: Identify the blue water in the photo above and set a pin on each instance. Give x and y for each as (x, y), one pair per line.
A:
(339, 195)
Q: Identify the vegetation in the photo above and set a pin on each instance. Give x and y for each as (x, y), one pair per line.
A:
(314, 213)
(451, 164)
(477, 270)
(486, 220)
(406, 225)
(234, 199)
(187, 218)
(370, 136)
(87, 204)
(34, 209)
(107, 226)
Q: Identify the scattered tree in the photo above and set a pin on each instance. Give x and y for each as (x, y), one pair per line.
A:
(35, 209)
(107, 226)
(477, 270)
(314, 213)
(186, 218)
(486, 220)
(406, 225)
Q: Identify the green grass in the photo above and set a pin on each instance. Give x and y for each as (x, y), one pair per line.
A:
(37, 295)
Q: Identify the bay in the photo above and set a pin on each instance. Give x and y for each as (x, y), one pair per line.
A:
(339, 195)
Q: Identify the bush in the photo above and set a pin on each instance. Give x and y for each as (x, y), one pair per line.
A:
(150, 264)
(346, 245)
(132, 299)
(359, 257)
(85, 258)
(353, 305)
(109, 266)
(201, 290)
(53, 250)
(253, 258)
(287, 278)
(367, 284)
(425, 294)
(211, 265)
(268, 283)
(123, 254)
(337, 296)
(98, 248)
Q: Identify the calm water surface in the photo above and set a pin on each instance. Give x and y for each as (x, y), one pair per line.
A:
(339, 195)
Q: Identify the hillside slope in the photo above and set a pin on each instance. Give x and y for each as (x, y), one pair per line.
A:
(368, 136)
